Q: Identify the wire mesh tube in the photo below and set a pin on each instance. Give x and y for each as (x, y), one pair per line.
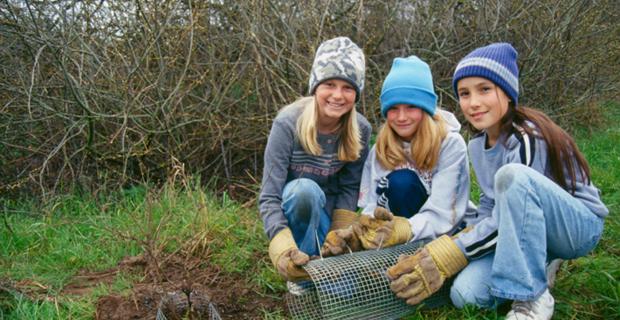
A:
(174, 306)
(213, 314)
(354, 286)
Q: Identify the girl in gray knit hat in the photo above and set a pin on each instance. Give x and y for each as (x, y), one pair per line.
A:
(314, 158)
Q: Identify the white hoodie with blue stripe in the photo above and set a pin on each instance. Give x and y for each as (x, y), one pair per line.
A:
(447, 186)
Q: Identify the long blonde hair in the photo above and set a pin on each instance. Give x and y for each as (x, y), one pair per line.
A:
(425, 145)
(350, 146)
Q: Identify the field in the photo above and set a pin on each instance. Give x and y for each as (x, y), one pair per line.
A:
(113, 256)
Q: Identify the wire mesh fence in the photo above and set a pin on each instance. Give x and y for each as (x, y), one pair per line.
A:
(355, 286)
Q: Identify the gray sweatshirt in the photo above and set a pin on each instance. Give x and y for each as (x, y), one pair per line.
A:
(447, 185)
(481, 239)
(286, 159)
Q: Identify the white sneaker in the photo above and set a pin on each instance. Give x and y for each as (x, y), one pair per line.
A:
(299, 288)
(552, 269)
(539, 309)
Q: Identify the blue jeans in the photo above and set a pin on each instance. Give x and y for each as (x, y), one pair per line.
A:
(303, 203)
(402, 193)
(538, 221)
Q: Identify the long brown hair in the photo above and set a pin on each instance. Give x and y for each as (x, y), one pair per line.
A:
(561, 148)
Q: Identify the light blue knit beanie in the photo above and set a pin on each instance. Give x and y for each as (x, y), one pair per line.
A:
(496, 62)
(409, 82)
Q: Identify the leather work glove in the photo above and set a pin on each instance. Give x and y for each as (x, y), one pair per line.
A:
(286, 257)
(418, 276)
(382, 231)
(341, 237)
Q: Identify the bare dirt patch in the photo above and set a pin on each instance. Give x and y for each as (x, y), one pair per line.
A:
(181, 278)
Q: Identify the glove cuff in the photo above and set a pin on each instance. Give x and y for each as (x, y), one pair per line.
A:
(447, 255)
(281, 242)
(342, 218)
(402, 229)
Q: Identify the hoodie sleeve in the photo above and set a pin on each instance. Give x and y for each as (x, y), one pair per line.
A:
(449, 195)
(351, 174)
(481, 239)
(370, 177)
(276, 162)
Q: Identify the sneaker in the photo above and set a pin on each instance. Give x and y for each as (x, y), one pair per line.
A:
(539, 309)
(552, 269)
(299, 288)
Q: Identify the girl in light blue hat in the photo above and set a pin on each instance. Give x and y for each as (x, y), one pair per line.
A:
(537, 200)
(415, 183)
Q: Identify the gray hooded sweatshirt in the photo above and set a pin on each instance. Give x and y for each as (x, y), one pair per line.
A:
(286, 159)
(482, 238)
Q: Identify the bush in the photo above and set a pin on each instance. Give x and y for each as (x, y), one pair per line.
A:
(99, 94)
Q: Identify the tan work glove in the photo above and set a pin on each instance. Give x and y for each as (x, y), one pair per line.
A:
(382, 231)
(418, 276)
(286, 257)
(341, 237)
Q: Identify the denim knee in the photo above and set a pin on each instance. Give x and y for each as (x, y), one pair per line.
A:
(405, 194)
(463, 294)
(401, 179)
(460, 297)
(472, 285)
(304, 191)
(508, 175)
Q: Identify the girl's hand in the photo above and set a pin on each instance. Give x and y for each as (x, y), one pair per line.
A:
(382, 231)
(340, 241)
(418, 276)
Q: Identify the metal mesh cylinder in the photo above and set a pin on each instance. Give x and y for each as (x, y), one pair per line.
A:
(207, 312)
(354, 286)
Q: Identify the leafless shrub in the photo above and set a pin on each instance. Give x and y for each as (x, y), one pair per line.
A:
(98, 94)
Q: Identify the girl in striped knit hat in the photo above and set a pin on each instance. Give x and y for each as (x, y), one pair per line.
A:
(537, 200)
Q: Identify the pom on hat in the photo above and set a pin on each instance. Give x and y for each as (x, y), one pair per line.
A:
(409, 82)
(496, 62)
(338, 58)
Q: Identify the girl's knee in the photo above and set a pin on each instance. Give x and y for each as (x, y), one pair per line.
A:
(402, 179)
(510, 174)
(302, 189)
(458, 298)
(463, 295)
(405, 193)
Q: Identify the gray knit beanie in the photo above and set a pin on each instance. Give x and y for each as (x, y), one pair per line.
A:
(338, 58)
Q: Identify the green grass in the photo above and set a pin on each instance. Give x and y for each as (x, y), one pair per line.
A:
(47, 244)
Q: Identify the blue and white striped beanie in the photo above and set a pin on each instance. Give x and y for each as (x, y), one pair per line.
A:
(496, 62)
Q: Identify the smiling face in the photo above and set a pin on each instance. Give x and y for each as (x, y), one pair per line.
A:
(404, 119)
(483, 104)
(335, 98)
